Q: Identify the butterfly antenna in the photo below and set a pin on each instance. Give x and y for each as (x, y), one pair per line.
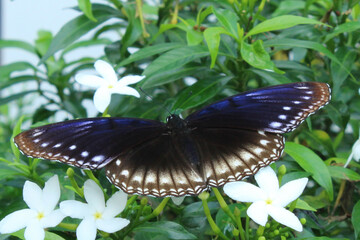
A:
(152, 99)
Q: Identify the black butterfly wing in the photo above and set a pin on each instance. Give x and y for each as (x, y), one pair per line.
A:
(276, 109)
(87, 143)
(140, 156)
(161, 167)
(238, 135)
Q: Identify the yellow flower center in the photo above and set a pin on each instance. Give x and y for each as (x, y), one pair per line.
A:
(97, 215)
(268, 201)
(110, 86)
(40, 215)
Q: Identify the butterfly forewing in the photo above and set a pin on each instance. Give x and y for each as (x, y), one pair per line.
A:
(277, 109)
(87, 143)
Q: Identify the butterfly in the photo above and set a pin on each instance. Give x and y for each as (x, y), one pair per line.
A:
(222, 142)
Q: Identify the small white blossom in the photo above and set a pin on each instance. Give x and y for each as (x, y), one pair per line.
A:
(268, 198)
(178, 200)
(355, 153)
(107, 84)
(41, 213)
(96, 214)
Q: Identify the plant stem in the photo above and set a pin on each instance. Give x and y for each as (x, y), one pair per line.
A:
(213, 225)
(223, 204)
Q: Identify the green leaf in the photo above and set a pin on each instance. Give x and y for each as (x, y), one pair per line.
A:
(175, 59)
(228, 20)
(343, 28)
(133, 30)
(148, 52)
(199, 92)
(86, 8)
(167, 229)
(86, 43)
(286, 42)
(355, 219)
(16, 131)
(311, 163)
(7, 70)
(321, 138)
(15, 96)
(271, 77)
(212, 38)
(255, 55)
(17, 44)
(301, 204)
(193, 37)
(347, 57)
(343, 173)
(79, 26)
(288, 6)
(171, 75)
(281, 22)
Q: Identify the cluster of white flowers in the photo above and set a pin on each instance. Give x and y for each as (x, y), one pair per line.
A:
(42, 213)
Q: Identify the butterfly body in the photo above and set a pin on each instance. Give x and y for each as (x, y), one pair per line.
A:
(224, 141)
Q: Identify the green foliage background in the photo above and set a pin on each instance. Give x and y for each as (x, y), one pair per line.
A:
(229, 47)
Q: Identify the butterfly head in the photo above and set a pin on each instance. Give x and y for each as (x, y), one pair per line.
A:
(175, 124)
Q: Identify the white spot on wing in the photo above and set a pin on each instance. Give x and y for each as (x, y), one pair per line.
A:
(275, 124)
(283, 117)
(85, 154)
(44, 144)
(72, 147)
(98, 158)
(287, 108)
(57, 145)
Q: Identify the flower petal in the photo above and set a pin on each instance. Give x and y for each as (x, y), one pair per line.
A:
(102, 98)
(90, 80)
(130, 79)
(177, 200)
(75, 209)
(86, 230)
(32, 195)
(115, 204)
(94, 195)
(244, 192)
(34, 231)
(51, 194)
(16, 220)
(125, 91)
(112, 225)
(290, 191)
(267, 180)
(285, 217)
(258, 213)
(52, 219)
(356, 150)
(106, 71)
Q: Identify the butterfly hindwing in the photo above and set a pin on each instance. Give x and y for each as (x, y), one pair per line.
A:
(159, 168)
(276, 109)
(232, 154)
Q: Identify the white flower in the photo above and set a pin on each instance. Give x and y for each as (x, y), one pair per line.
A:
(268, 199)
(41, 213)
(107, 84)
(96, 214)
(355, 153)
(177, 200)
